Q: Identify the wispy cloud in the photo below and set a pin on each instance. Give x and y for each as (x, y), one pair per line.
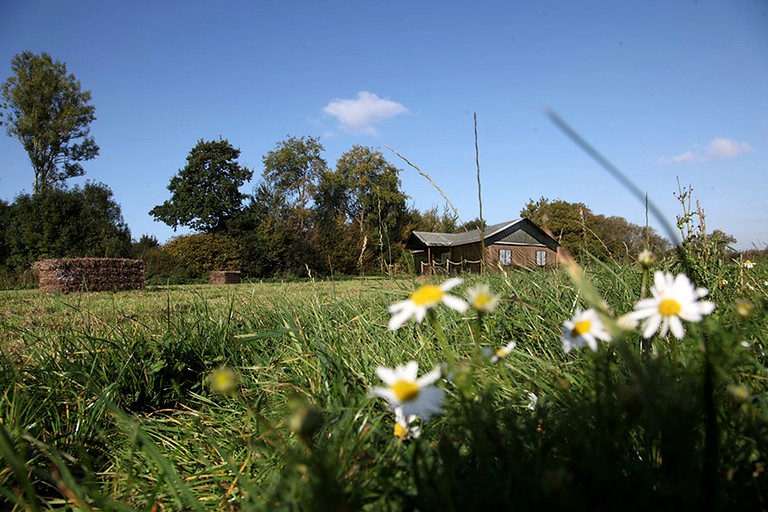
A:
(361, 114)
(727, 148)
(717, 149)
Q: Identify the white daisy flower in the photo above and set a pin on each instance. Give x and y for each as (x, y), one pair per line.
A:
(627, 322)
(405, 427)
(646, 258)
(404, 390)
(423, 299)
(744, 308)
(503, 352)
(674, 298)
(748, 264)
(585, 328)
(481, 299)
(533, 401)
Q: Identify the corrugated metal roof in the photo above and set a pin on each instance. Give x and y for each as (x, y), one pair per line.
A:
(453, 239)
(519, 237)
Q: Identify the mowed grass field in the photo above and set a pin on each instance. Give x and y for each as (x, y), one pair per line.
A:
(258, 397)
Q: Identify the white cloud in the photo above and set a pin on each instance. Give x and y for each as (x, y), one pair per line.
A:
(360, 115)
(717, 149)
(727, 148)
(688, 156)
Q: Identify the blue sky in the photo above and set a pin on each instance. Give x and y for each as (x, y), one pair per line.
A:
(666, 90)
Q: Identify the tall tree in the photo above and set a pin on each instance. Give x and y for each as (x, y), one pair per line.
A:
(581, 231)
(266, 229)
(205, 194)
(364, 193)
(434, 220)
(48, 112)
(292, 170)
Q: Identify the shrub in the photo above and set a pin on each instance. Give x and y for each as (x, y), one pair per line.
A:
(201, 253)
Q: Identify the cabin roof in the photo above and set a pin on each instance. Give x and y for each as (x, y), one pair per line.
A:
(504, 232)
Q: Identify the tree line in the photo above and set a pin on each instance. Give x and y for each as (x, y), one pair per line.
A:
(303, 215)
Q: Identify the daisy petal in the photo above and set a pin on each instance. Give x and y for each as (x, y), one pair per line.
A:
(455, 303)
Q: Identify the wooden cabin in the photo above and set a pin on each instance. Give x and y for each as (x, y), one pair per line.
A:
(517, 243)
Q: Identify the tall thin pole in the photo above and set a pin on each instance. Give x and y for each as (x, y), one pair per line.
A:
(480, 201)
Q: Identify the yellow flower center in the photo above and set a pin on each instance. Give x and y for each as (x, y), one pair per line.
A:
(669, 307)
(400, 431)
(427, 295)
(482, 300)
(406, 390)
(223, 381)
(582, 328)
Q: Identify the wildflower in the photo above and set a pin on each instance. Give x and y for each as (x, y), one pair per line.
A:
(739, 393)
(748, 264)
(585, 328)
(674, 298)
(646, 258)
(723, 282)
(405, 427)
(305, 419)
(533, 401)
(404, 390)
(744, 308)
(481, 299)
(503, 352)
(223, 380)
(627, 322)
(423, 299)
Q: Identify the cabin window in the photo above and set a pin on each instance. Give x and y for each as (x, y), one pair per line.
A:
(541, 258)
(505, 256)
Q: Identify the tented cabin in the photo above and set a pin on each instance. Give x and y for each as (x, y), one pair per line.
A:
(518, 243)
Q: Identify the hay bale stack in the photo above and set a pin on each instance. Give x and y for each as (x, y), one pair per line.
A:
(225, 277)
(89, 274)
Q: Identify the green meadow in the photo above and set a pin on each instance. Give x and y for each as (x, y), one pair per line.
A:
(258, 397)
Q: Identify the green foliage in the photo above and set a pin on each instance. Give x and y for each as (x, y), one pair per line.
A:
(201, 253)
(205, 194)
(293, 169)
(350, 220)
(145, 243)
(272, 242)
(702, 252)
(5, 221)
(361, 212)
(47, 111)
(584, 233)
(435, 221)
(105, 400)
(60, 223)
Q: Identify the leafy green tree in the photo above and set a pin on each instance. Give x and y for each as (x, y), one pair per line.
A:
(582, 232)
(564, 220)
(622, 239)
(145, 243)
(82, 222)
(293, 170)
(205, 194)
(433, 220)
(361, 201)
(268, 234)
(5, 219)
(473, 224)
(46, 109)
